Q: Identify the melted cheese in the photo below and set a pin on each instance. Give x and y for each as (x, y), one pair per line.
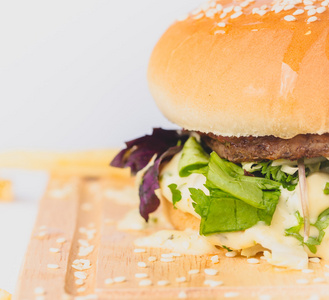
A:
(284, 251)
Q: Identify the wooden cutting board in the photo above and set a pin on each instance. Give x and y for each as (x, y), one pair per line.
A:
(80, 212)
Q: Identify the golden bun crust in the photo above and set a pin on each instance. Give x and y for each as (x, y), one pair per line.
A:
(179, 219)
(263, 73)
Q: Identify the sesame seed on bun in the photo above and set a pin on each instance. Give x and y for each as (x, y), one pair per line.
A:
(246, 68)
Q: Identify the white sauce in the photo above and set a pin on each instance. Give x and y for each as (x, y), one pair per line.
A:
(134, 221)
(187, 242)
(285, 251)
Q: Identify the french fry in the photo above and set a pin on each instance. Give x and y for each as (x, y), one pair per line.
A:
(6, 191)
(4, 295)
(86, 163)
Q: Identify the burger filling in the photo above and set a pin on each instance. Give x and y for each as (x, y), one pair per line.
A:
(241, 195)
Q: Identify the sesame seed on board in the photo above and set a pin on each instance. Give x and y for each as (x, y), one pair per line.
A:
(163, 282)
(211, 272)
(53, 266)
(145, 282)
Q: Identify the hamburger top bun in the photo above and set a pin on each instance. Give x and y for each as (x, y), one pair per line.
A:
(259, 69)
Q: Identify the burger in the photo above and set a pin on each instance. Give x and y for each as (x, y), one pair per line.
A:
(248, 82)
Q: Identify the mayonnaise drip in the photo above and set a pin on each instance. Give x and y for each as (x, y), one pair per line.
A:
(285, 251)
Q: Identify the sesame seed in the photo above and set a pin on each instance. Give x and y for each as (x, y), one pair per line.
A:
(236, 15)
(80, 275)
(324, 3)
(166, 255)
(261, 12)
(314, 259)
(211, 272)
(307, 271)
(308, 7)
(163, 259)
(302, 281)
(42, 234)
(298, 12)
(314, 297)
(61, 240)
(289, 7)
(141, 264)
(194, 271)
(181, 279)
(83, 243)
(210, 14)
(108, 281)
(54, 250)
(237, 8)
(182, 295)
(152, 258)
(212, 4)
(196, 11)
(278, 9)
(320, 10)
(212, 283)
(231, 254)
(81, 289)
(219, 7)
(79, 282)
(39, 291)
(308, 2)
(311, 12)
(308, 32)
(290, 18)
(255, 10)
(228, 9)
(223, 15)
(253, 261)
(244, 4)
(139, 250)
(53, 266)
(119, 279)
(231, 295)
(263, 7)
(145, 282)
(319, 280)
(214, 259)
(176, 254)
(163, 282)
(219, 32)
(141, 275)
(265, 297)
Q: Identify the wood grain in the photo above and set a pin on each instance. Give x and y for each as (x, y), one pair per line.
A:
(72, 205)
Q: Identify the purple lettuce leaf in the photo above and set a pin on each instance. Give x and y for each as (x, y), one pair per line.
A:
(139, 152)
(149, 202)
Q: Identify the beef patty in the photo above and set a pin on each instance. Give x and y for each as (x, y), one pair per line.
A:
(248, 149)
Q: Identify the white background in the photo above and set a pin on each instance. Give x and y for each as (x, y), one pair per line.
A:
(72, 77)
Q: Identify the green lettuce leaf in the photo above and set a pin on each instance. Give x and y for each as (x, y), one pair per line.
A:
(275, 173)
(221, 212)
(326, 189)
(321, 224)
(193, 158)
(176, 194)
(230, 178)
